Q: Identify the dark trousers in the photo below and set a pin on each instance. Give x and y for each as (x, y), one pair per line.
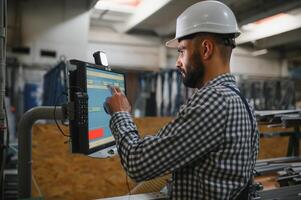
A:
(244, 194)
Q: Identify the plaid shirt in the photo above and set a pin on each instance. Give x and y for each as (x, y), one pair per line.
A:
(209, 147)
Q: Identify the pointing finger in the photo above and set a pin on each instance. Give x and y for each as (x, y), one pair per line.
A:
(112, 89)
(118, 89)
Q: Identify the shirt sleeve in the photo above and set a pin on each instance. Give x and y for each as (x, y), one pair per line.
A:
(196, 131)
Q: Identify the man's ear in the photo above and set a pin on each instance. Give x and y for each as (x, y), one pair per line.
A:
(207, 49)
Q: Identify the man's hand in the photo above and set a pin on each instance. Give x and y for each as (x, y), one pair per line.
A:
(117, 102)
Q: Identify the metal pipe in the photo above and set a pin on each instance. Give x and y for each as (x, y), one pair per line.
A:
(24, 143)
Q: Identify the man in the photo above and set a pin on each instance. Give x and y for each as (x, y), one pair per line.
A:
(211, 146)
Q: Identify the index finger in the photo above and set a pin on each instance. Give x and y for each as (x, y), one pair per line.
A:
(117, 89)
(112, 89)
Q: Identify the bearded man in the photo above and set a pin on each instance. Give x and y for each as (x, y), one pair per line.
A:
(212, 144)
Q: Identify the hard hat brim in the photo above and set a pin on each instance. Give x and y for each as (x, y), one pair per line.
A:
(172, 43)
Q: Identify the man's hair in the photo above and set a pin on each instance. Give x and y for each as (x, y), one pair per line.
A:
(226, 42)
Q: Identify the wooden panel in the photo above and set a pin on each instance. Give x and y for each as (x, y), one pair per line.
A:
(62, 175)
(273, 147)
(151, 125)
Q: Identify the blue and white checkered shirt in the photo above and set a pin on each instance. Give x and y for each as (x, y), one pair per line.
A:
(209, 147)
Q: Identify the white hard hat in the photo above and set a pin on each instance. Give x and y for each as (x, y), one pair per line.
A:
(205, 16)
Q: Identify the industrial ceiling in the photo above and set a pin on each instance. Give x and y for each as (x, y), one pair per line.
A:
(274, 25)
(158, 17)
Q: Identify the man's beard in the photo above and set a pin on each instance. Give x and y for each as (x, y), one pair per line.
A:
(195, 72)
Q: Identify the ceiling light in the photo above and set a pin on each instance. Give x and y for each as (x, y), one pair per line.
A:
(125, 6)
(259, 52)
(269, 22)
(276, 24)
(113, 6)
(248, 27)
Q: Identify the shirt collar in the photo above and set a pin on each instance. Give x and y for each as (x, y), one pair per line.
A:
(223, 78)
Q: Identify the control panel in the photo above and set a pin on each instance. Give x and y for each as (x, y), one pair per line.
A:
(81, 108)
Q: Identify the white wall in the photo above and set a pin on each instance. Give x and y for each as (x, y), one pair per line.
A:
(55, 25)
(63, 26)
(127, 51)
(243, 62)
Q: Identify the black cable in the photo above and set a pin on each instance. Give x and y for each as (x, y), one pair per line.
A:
(127, 183)
(55, 104)
(54, 116)
(68, 88)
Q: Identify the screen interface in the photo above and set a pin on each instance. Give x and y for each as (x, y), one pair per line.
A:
(98, 119)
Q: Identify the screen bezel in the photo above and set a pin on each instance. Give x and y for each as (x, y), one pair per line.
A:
(78, 83)
(112, 143)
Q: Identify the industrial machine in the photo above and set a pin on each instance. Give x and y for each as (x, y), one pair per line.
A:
(88, 119)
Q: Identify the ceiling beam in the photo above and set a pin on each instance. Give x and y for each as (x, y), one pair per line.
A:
(144, 10)
(92, 3)
(167, 29)
(254, 15)
(278, 40)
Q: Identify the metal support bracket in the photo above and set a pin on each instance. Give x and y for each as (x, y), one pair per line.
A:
(24, 143)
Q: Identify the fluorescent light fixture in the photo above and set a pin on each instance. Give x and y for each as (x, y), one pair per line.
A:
(118, 6)
(272, 22)
(248, 27)
(259, 52)
(269, 26)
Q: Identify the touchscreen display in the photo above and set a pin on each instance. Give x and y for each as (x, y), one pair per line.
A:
(97, 89)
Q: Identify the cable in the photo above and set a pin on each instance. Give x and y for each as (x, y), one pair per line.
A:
(63, 123)
(68, 88)
(126, 177)
(54, 116)
(128, 185)
(36, 186)
(54, 111)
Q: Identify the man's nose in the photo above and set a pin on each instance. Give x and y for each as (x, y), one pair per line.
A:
(178, 63)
